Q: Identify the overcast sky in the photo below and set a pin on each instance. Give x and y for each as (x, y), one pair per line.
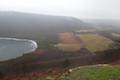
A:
(104, 9)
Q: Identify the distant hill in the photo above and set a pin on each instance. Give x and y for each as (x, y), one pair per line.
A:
(25, 25)
(104, 24)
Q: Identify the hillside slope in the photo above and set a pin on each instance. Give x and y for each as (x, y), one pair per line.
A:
(26, 25)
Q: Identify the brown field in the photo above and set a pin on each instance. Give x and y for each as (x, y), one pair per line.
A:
(68, 38)
(68, 42)
(69, 47)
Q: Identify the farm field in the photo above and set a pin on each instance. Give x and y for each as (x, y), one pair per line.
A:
(68, 42)
(69, 47)
(115, 34)
(94, 42)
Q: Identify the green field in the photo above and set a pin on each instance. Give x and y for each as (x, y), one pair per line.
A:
(95, 42)
(95, 73)
(89, 73)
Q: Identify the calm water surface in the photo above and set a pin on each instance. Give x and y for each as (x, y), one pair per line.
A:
(12, 47)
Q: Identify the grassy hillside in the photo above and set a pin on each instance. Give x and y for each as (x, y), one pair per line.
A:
(26, 25)
(82, 73)
(96, 73)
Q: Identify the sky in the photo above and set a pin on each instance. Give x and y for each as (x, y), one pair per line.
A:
(88, 9)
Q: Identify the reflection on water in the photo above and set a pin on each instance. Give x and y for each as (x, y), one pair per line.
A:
(12, 47)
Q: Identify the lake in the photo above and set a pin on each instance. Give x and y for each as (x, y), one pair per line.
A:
(12, 47)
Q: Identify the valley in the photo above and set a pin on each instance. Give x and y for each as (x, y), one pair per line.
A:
(64, 43)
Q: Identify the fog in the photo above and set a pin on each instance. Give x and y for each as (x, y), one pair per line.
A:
(93, 9)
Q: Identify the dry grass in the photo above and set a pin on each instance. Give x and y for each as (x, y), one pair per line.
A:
(68, 42)
(95, 42)
(115, 34)
(69, 47)
(68, 38)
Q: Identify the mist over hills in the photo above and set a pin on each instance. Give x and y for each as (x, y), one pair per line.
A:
(104, 24)
(16, 24)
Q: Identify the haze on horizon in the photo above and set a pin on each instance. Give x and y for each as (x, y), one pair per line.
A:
(93, 9)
